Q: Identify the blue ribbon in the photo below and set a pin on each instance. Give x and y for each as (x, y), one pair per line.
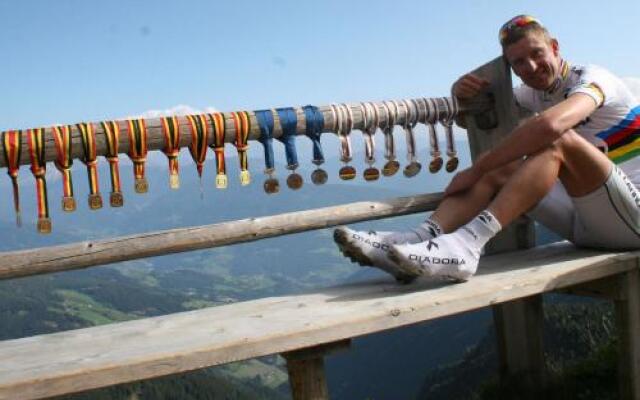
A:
(315, 126)
(265, 122)
(289, 121)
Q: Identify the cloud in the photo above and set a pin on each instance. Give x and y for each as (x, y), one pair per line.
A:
(180, 110)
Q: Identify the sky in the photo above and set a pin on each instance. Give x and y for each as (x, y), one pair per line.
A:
(67, 61)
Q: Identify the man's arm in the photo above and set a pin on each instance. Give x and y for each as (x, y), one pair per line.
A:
(532, 136)
(538, 132)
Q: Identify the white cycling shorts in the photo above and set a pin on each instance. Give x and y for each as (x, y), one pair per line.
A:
(607, 218)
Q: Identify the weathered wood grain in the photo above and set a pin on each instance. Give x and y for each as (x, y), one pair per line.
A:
(78, 360)
(85, 254)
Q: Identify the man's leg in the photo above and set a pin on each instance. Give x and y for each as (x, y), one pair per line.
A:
(370, 248)
(578, 164)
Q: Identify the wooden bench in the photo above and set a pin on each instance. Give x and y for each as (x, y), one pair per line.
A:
(73, 361)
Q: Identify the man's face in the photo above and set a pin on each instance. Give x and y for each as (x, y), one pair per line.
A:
(535, 60)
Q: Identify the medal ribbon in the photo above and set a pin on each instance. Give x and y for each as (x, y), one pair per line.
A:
(217, 123)
(12, 146)
(39, 169)
(266, 123)
(314, 126)
(389, 143)
(431, 118)
(289, 122)
(242, 125)
(63, 162)
(171, 131)
(137, 132)
(370, 120)
(112, 135)
(447, 121)
(199, 140)
(88, 137)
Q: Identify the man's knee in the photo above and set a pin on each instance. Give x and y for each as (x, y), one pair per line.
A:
(497, 178)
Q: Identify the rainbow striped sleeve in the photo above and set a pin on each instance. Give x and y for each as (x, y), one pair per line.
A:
(623, 139)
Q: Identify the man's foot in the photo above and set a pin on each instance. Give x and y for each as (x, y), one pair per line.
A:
(371, 249)
(448, 256)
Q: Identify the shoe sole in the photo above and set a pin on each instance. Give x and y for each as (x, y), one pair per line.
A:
(354, 254)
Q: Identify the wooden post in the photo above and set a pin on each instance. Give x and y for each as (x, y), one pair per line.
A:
(306, 370)
(519, 324)
(628, 321)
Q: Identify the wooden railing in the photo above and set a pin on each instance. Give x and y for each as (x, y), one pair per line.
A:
(304, 328)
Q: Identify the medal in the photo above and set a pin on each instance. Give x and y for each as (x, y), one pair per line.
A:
(391, 166)
(288, 123)
(414, 167)
(431, 118)
(112, 134)
(370, 120)
(88, 136)
(314, 120)
(199, 141)
(137, 132)
(35, 139)
(266, 124)
(242, 125)
(451, 107)
(343, 124)
(63, 163)
(217, 123)
(171, 132)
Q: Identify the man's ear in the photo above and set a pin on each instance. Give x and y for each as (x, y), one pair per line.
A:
(555, 46)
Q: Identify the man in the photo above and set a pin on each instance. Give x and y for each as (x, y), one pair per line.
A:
(571, 167)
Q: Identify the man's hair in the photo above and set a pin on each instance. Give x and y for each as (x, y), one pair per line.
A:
(520, 26)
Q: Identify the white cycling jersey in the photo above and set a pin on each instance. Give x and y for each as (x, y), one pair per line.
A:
(614, 126)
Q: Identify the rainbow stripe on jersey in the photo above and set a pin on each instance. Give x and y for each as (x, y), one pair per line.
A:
(623, 139)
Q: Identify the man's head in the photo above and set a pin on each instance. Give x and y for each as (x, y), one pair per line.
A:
(533, 54)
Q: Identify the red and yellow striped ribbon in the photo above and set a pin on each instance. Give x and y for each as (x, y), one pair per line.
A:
(242, 125)
(112, 135)
(199, 139)
(88, 136)
(35, 139)
(217, 123)
(12, 147)
(138, 152)
(63, 162)
(171, 130)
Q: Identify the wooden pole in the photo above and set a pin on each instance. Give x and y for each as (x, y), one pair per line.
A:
(15, 264)
(156, 141)
(519, 323)
(628, 322)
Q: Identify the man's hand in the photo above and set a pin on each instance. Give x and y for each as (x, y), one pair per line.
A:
(463, 180)
(468, 86)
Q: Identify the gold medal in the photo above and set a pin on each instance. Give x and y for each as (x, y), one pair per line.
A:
(141, 185)
(174, 181)
(221, 181)
(68, 204)
(435, 165)
(452, 164)
(412, 169)
(95, 201)
(347, 173)
(116, 199)
(295, 181)
(271, 186)
(371, 174)
(319, 176)
(390, 168)
(245, 178)
(44, 225)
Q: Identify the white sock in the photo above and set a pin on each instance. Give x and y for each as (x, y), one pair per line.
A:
(481, 229)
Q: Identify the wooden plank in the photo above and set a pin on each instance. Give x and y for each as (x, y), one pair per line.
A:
(85, 254)
(156, 141)
(628, 322)
(82, 359)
